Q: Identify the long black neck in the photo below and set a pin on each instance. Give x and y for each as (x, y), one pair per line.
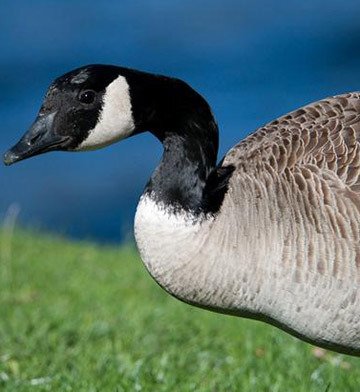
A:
(181, 119)
(189, 157)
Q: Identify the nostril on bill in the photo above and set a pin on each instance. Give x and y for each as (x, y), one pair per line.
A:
(34, 138)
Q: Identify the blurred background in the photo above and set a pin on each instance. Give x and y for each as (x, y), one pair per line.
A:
(252, 60)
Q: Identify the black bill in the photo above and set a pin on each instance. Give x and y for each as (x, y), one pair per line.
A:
(39, 139)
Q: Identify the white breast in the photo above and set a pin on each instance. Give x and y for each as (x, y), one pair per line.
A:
(167, 242)
(234, 264)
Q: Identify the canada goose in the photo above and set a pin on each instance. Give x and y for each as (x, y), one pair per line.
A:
(272, 232)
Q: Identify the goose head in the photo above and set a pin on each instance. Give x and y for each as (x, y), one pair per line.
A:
(97, 105)
(87, 108)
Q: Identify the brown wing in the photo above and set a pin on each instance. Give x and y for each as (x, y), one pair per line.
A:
(289, 225)
(323, 135)
(297, 183)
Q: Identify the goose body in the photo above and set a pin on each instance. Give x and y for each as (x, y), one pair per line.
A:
(271, 233)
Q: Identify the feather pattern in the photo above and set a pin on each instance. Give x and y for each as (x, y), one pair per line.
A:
(284, 247)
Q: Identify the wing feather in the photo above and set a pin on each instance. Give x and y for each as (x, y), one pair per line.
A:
(297, 180)
(323, 135)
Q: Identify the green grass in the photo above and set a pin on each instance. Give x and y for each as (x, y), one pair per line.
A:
(80, 317)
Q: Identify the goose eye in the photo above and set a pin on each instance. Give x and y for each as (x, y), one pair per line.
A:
(87, 96)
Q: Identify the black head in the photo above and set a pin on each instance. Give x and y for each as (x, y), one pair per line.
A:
(86, 108)
(96, 105)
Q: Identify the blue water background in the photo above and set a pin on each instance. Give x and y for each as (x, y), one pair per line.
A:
(252, 60)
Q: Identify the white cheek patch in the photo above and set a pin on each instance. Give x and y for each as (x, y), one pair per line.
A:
(115, 120)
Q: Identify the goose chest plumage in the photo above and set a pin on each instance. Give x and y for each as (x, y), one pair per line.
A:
(272, 232)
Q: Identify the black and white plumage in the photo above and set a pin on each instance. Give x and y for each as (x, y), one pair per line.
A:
(272, 232)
